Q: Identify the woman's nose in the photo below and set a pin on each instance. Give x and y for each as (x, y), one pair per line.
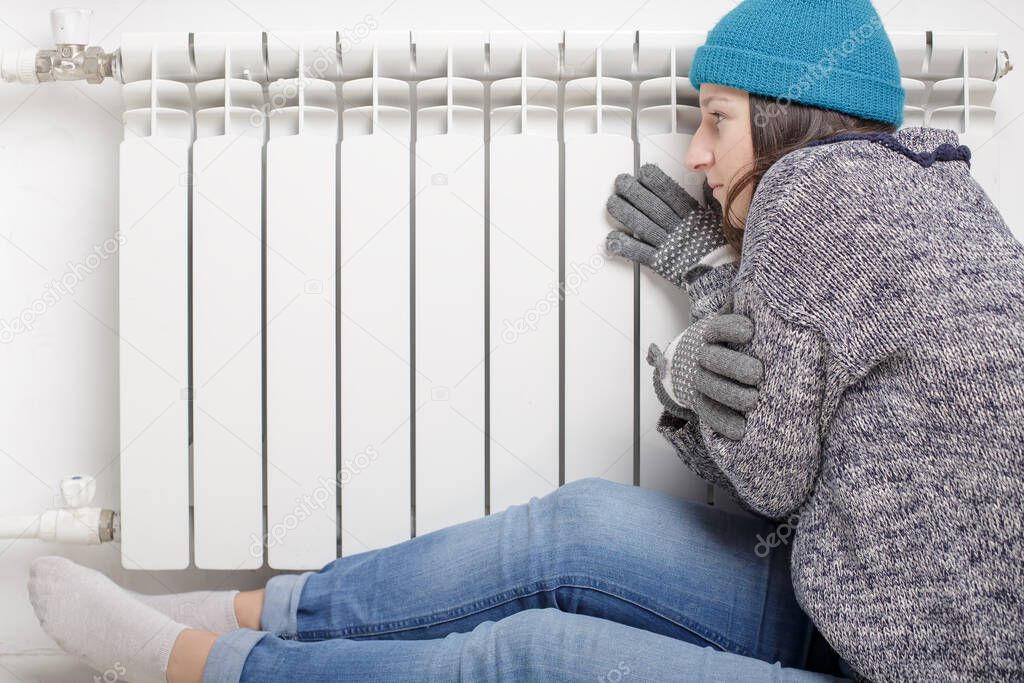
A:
(698, 158)
(698, 155)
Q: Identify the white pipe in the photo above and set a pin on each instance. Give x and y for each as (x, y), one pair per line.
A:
(63, 525)
(19, 527)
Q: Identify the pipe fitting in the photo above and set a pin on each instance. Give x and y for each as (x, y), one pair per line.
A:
(1003, 65)
(73, 59)
(74, 523)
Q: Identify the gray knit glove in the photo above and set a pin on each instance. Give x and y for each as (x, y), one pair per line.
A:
(671, 231)
(697, 376)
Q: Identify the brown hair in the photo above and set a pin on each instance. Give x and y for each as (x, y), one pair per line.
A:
(777, 130)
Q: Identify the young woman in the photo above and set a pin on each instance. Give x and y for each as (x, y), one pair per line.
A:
(857, 375)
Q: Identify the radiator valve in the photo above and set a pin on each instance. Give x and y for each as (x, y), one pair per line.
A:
(76, 522)
(1003, 64)
(73, 59)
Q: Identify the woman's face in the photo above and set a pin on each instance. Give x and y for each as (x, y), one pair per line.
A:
(722, 148)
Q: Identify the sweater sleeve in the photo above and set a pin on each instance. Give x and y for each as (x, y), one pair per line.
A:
(708, 287)
(686, 439)
(707, 291)
(774, 466)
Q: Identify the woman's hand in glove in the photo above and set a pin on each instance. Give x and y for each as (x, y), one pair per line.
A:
(670, 230)
(698, 376)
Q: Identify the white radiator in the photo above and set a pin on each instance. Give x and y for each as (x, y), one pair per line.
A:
(355, 276)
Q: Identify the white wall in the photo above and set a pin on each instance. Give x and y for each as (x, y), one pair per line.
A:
(58, 147)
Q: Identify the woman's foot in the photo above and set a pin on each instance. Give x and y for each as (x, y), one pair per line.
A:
(92, 617)
(205, 610)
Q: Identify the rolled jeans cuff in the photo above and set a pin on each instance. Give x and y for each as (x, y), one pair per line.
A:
(281, 603)
(227, 657)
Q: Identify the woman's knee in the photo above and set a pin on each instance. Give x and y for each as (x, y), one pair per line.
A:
(591, 486)
(586, 503)
(528, 641)
(589, 518)
(584, 492)
(565, 646)
(595, 518)
(527, 628)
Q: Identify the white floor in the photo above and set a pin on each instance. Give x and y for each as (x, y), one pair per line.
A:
(50, 665)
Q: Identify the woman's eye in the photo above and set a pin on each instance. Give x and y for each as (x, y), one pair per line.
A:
(718, 113)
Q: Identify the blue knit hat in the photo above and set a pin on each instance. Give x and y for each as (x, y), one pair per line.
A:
(833, 54)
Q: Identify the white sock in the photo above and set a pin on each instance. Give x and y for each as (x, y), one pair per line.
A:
(205, 610)
(92, 617)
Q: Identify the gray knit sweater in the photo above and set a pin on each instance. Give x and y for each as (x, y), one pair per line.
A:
(887, 296)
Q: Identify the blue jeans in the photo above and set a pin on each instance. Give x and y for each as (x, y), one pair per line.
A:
(595, 580)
